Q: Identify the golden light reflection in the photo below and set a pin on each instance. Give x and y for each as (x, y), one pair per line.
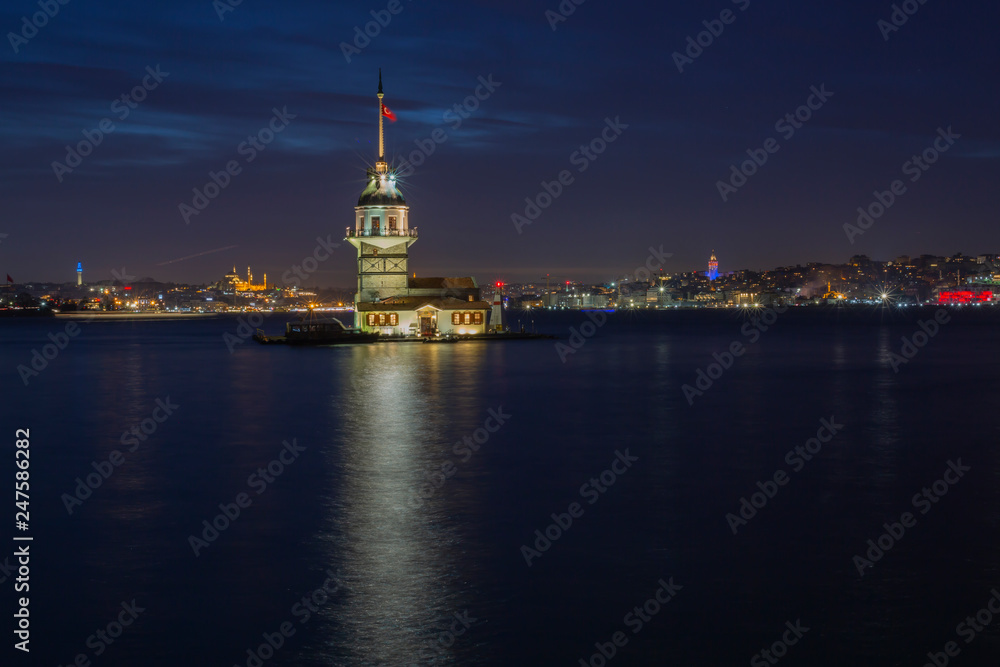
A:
(397, 555)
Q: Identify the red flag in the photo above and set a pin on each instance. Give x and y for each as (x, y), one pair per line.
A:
(9, 279)
(388, 114)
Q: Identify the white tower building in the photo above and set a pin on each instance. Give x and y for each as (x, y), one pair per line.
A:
(382, 232)
(389, 300)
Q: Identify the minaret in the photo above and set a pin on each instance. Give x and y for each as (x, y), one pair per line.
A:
(382, 232)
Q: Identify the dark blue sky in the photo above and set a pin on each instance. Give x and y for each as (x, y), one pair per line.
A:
(656, 185)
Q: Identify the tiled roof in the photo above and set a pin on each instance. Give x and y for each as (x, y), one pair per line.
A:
(418, 302)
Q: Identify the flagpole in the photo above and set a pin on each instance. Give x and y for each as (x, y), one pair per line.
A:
(380, 166)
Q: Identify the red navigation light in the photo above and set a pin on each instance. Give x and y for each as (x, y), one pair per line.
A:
(499, 284)
(128, 288)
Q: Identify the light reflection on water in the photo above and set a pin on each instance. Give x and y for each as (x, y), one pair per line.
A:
(397, 557)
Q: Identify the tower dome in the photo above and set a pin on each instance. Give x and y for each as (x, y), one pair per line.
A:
(381, 190)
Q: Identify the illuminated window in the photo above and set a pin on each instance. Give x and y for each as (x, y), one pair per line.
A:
(456, 318)
(376, 223)
(392, 223)
(381, 319)
(477, 318)
(467, 317)
(393, 319)
(372, 319)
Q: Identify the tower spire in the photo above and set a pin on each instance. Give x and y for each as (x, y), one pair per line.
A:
(380, 166)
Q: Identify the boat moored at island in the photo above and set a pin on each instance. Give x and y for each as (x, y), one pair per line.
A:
(317, 332)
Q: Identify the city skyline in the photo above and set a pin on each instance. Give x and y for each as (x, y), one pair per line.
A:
(731, 151)
(293, 277)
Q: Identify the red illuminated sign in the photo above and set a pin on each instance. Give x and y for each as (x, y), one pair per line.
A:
(965, 297)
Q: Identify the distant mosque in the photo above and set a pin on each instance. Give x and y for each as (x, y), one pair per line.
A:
(389, 299)
(232, 282)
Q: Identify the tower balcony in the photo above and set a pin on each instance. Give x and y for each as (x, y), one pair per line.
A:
(362, 233)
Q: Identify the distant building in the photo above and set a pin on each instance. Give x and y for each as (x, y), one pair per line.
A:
(79, 274)
(232, 282)
(713, 267)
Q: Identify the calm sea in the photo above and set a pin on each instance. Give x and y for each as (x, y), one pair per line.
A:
(389, 495)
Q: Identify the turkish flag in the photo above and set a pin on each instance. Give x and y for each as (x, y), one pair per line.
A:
(388, 114)
(9, 279)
